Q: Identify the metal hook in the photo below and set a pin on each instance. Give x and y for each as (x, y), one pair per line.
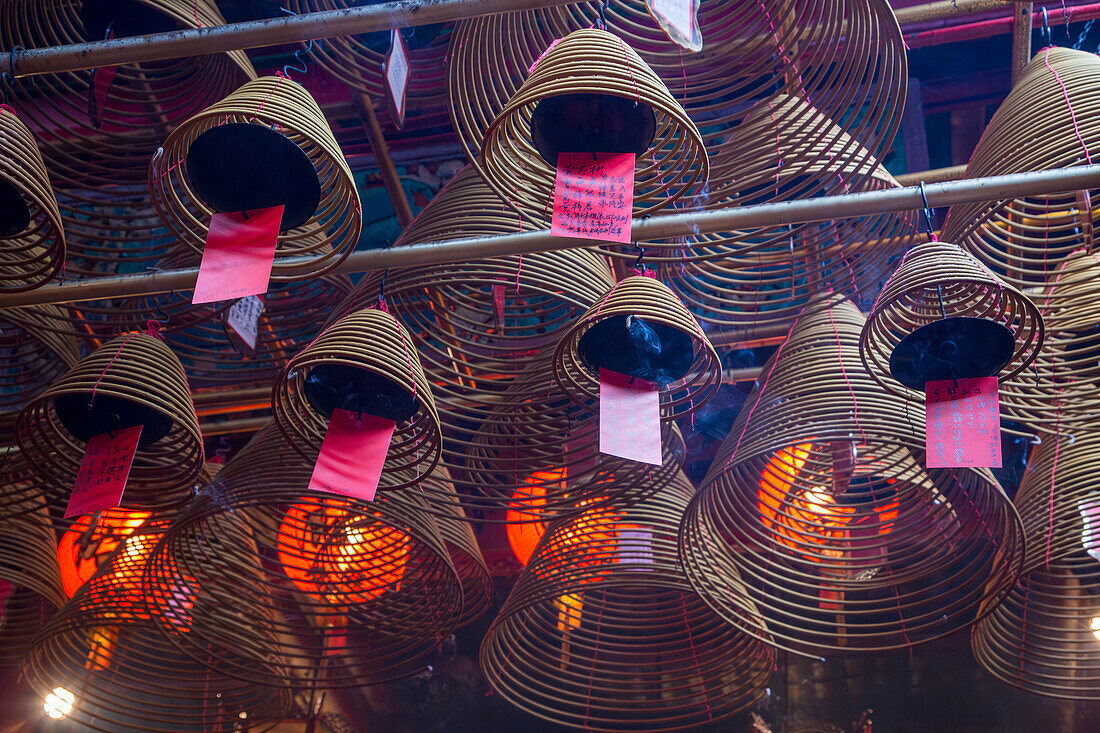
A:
(308, 50)
(1045, 30)
(638, 263)
(382, 290)
(1036, 440)
(224, 446)
(603, 15)
(928, 213)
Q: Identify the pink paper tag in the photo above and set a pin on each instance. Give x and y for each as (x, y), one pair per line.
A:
(498, 303)
(240, 248)
(242, 321)
(963, 423)
(593, 196)
(103, 472)
(630, 418)
(542, 55)
(352, 455)
(396, 68)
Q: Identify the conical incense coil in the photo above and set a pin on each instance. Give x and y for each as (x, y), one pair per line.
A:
(133, 379)
(938, 282)
(1043, 123)
(1045, 636)
(366, 363)
(603, 632)
(32, 357)
(116, 117)
(29, 580)
(32, 238)
(597, 68)
(120, 674)
(817, 505)
(289, 155)
(669, 347)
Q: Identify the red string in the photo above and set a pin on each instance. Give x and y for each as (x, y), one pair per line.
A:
(844, 372)
(629, 68)
(1069, 105)
(1053, 474)
(112, 361)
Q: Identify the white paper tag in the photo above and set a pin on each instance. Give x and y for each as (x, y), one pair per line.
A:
(397, 74)
(244, 319)
(1090, 532)
(636, 546)
(677, 19)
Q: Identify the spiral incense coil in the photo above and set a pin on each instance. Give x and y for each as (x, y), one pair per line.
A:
(372, 345)
(103, 649)
(1056, 394)
(32, 240)
(32, 358)
(356, 592)
(137, 381)
(603, 632)
(1026, 240)
(275, 103)
(750, 49)
(357, 61)
(638, 298)
(536, 457)
(818, 507)
(1043, 637)
(20, 486)
(28, 561)
(937, 281)
(141, 103)
(598, 64)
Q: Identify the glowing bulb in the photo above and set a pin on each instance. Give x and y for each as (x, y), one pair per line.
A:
(1094, 625)
(59, 703)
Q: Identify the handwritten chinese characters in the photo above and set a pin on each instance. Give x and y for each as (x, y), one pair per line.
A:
(102, 477)
(963, 423)
(242, 322)
(630, 418)
(240, 248)
(352, 455)
(396, 68)
(593, 196)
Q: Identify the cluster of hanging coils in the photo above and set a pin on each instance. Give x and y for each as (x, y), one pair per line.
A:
(215, 593)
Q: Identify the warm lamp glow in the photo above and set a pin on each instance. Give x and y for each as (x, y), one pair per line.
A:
(87, 544)
(1094, 626)
(809, 521)
(339, 555)
(523, 534)
(59, 703)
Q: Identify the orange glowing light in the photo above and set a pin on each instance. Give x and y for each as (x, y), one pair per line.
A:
(340, 555)
(809, 521)
(87, 544)
(523, 534)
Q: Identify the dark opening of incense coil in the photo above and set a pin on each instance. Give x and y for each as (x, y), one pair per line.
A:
(952, 348)
(591, 123)
(341, 386)
(15, 216)
(638, 348)
(122, 19)
(86, 416)
(242, 167)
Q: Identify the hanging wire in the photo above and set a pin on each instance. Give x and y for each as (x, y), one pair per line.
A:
(307, 50)
(928, 215)
(1045, 30)
(602, 22)
(1084, 33)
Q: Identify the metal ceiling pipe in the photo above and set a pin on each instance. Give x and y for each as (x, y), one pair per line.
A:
(948, 193)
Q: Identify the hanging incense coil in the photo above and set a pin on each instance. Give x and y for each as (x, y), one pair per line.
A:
(33, 358)
(104, 649)
(357, 61)
(536, 457)
(135, 105)
(28, 563)
(131, 380)
(757, 279)
(603, 632)
(591, 80)
(1025, 240)
(32, 240)
(20, 487)
(818, 508)
(365, 363)
(1043, 637)
(641, 329)
(266, 144)
(944, 315)
(750, 49)
(356, 592)
(1056, 393)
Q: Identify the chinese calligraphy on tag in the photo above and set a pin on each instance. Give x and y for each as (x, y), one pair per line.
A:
(352, 455)
(396, 67)
(103, 472)
(593, 196)
(240, 248)
(243, 319)
(963, 423)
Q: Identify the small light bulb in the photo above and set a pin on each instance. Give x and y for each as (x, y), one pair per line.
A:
(1094, 626)
(59, 703)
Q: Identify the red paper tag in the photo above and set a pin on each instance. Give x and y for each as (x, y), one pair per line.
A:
(396, 68)
(542, 55)
(103, 472)
(240, 248)
(242, 321)
(630, 418)
(678, 20)
(498, 303)
(593, 196)
(963, 423)
(352, 454)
